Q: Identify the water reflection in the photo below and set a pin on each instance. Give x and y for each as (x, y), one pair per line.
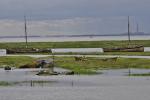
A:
(124, 72)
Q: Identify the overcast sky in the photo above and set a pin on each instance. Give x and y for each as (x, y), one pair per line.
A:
(47, 17)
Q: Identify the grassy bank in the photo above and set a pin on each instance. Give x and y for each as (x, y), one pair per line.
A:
(109, 53)
(3, 83)
(91, 65)
(16, 61)
(88, 66)
(80, 44)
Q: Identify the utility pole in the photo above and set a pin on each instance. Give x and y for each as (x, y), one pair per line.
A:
(25, 28)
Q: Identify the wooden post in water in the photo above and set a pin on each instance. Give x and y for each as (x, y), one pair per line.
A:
(129, 72)
(53, 63)
(31, 83)
(72, 84)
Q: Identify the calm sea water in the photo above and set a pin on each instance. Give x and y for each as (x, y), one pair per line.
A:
(85, 38)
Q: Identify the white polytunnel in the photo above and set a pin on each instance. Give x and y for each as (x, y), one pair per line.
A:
(77, 50)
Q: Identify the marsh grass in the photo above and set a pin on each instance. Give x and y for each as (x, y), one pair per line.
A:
(3, 83)
(144, 74)
(15, 61)
(82, 44)
(78, 44)
(91, 65)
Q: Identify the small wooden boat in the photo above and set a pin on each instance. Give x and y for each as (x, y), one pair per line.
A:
(46, 72)
(70, 73)
(7, 68)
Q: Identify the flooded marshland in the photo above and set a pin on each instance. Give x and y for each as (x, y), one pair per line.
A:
(28, 77)
(110, 85)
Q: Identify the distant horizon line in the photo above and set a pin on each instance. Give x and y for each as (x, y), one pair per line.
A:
(76, 35)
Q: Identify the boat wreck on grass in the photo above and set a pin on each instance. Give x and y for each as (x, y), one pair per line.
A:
(125, 49)
(129, 48)
(48, 68)
(27, 50)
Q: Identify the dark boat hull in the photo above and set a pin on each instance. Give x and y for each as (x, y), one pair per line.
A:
(29, 50)
(7, 68)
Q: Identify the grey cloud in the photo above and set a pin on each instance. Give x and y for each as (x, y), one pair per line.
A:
(72, 8)
(72, 16)
(89, 25)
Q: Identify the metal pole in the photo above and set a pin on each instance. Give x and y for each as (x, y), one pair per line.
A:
(137, 28)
